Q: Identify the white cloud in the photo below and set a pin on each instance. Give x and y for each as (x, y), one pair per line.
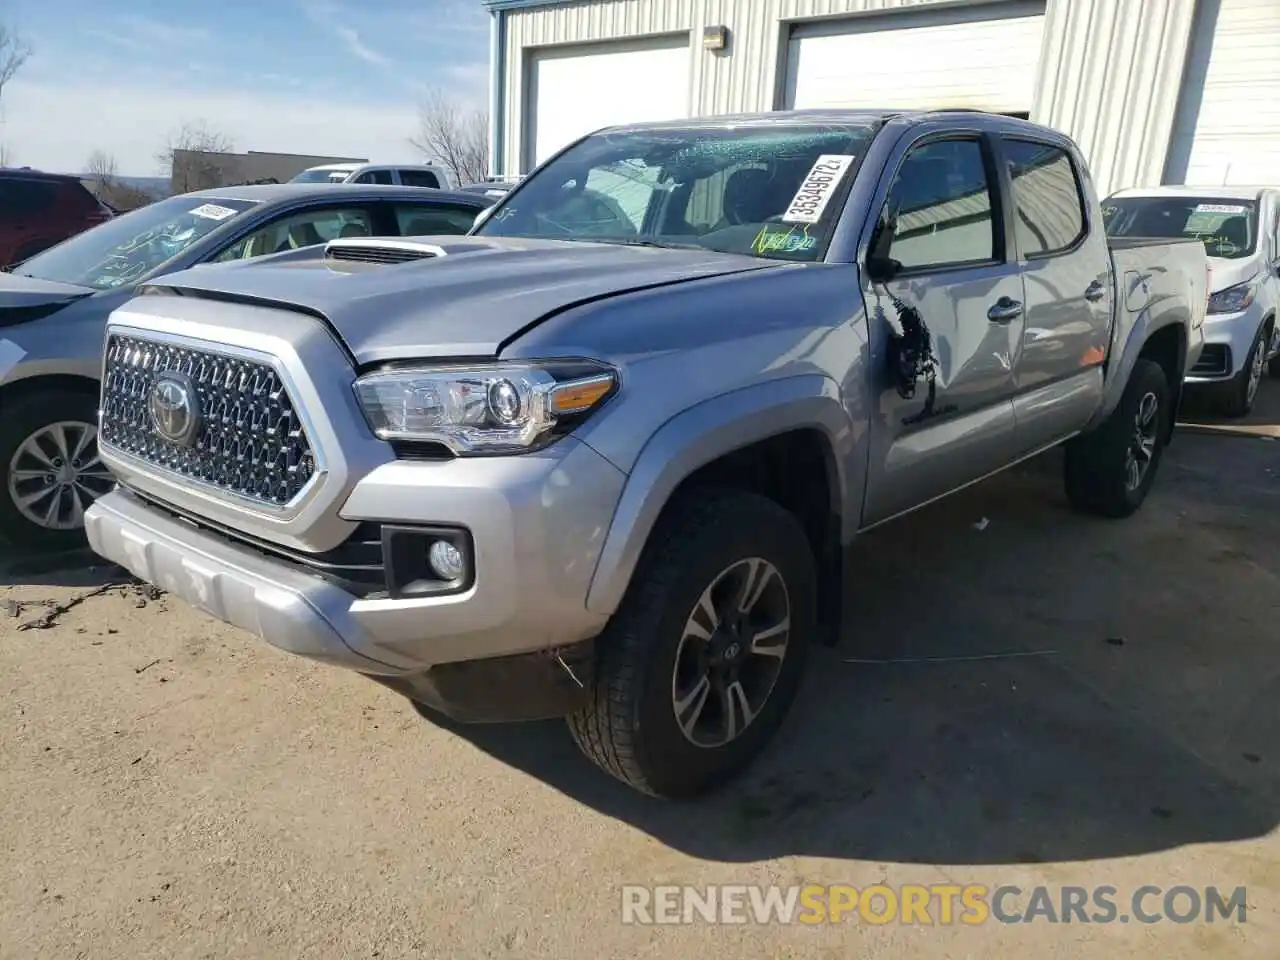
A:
(132, 123)
(357, 47)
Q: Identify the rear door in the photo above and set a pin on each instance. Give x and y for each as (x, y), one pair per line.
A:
(956, 274)
(1067, 285)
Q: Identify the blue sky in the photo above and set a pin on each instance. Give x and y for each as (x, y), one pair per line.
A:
(341, 77)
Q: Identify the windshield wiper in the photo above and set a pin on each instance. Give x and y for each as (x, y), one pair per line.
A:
(654, 243)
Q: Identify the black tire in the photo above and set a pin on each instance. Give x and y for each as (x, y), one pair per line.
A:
(630, 727)
(23, 418)
(1234, 399)
(1097, 471)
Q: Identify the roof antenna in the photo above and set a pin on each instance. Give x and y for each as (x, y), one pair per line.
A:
(1226, 174)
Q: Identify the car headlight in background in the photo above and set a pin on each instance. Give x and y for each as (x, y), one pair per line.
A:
(1233, 299)
(483, 408)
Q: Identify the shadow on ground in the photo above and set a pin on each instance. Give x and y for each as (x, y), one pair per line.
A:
(1136, 713)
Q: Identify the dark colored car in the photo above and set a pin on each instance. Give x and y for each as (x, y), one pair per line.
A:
(39, 209)
(54, 307)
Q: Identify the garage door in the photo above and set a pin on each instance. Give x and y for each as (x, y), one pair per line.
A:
(1230, 134)
(983, 57)
(574, 90)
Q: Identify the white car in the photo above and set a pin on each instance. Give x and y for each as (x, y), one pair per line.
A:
(1240, 227)
(400, 174)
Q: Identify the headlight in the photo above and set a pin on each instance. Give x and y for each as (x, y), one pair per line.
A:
(1233, 299)
(483, 408)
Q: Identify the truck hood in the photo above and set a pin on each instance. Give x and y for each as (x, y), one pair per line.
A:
(23, 299)
(1224, 273)
(467, 298)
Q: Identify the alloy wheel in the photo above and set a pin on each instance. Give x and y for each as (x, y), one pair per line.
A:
(1142, 445)
(56, 473)
(731, 652)
(1257, 366)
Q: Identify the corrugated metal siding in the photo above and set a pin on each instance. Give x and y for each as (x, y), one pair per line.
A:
(746, 80)
(1109, 77)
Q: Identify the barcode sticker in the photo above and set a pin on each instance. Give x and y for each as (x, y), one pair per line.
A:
(1220, 208)
(816, 190)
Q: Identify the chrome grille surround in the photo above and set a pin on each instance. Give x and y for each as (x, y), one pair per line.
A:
(252, 445)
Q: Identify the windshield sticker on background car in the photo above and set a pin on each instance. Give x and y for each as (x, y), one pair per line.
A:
(817, 188)
(770, 239)
(211, 211)
(1220, 208)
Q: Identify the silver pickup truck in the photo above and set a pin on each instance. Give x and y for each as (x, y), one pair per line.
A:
(600, 458)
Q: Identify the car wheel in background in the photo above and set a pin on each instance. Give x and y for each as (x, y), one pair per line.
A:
(51, 469)
(700, 664)
(1237, 396)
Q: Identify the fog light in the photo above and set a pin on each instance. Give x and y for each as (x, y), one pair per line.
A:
(446, 560)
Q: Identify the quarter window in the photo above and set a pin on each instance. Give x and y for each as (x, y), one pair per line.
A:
(941, 199)
(426, 220)
(419, 178)
(1046, 198)
(300, 230)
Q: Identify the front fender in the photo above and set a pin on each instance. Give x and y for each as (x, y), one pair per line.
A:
(695, 438)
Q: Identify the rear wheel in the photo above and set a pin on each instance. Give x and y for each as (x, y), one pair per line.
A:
(1110, 471)
(700, 664)
(52, 472)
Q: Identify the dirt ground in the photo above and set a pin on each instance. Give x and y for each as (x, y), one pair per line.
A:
(171, 788)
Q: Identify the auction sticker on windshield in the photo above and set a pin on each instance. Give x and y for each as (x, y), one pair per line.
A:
(1220, 208)
(211, 211)
(816, 190)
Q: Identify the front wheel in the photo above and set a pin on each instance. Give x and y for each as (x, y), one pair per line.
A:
(1109, 471)
(52, 472)
(1238, 396)
(700, 664)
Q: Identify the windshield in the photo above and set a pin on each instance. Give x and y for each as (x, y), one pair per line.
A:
(1227, 226)
(127, 248)
(765, 190)
(321, 176)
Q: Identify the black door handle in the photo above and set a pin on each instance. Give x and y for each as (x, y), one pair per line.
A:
(1005, 310)
(1095, 291)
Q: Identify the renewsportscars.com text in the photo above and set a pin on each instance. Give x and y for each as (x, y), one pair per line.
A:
(928, 905)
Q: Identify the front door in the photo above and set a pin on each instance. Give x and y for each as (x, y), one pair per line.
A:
(954, 273)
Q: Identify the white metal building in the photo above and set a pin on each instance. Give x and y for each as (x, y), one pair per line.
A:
(1154, 91)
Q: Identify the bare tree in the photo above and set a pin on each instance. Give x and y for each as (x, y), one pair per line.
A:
(194, 157)
(101, 167)
(14, 52)
(455, 136)
(107, 185)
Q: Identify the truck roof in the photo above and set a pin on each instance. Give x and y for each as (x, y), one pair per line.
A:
(817, 115)
(349, 167)
(1192, 190)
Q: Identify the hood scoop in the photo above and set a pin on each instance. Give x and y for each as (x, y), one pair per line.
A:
(381, 250)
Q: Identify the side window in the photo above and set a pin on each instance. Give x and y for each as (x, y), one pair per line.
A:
(425, 220)
(28, 198)
(1046, 198)
(419, 178)
(299, 230)
(942, 200)
(374, 176)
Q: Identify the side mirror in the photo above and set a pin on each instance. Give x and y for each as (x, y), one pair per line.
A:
(882, 268)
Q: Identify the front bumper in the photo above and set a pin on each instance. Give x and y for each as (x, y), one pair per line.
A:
(1228, 337)
(536, 522)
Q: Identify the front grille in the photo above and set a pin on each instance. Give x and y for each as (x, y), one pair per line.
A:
(249, 442)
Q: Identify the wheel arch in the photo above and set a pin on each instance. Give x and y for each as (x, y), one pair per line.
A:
(705, 443)
(17, 390)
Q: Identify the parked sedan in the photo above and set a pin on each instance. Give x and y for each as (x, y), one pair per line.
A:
(54, 306)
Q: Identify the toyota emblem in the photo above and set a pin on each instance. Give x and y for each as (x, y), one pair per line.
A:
(175, 408)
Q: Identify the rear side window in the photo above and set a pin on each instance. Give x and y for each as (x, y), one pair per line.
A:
(374, 176)
(1046, 198)
(21, 197)
(424, 220)
(419, 178)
